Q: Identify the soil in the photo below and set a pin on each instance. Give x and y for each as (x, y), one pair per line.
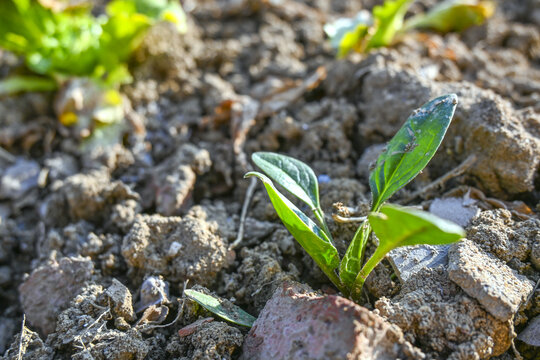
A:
(96, 245)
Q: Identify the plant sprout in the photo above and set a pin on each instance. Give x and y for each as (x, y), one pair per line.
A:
(404, 157)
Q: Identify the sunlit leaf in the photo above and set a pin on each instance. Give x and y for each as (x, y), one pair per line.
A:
(216, 306)
(388, 21)
(453, 15)
(413, 146)
(397, 226)
(295, 176)
(15, 84)
(304, 230)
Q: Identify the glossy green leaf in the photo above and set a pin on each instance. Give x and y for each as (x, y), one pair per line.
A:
(410, 150)
(352, 261)
(305, 231)
(453, 15)
(216, 306)
(294, 175)
(397, 226)
(388, 21)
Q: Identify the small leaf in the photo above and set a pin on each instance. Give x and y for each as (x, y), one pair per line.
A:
(228, 312)
(352, 261)
(453, 15)
(347, 34)
(294, 175)
(388, 21)
(304, 230)
(410, 150)
(397, 226)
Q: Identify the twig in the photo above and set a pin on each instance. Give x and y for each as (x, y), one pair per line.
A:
(352, 219)
(6, 155)
(460, 169)
(247, 201)
(23, 327)
(80, 337)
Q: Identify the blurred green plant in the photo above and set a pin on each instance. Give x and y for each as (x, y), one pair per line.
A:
(368, 31)
(71, 42)
(85, 57)
(405, 156)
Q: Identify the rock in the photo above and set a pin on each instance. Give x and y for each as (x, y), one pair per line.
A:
(535, 254)
(119, 299)
(531, 334)
(297, 323)
(92, 197)
(437, 315)
(458, 210)
(19, 178)
(210, 340)
(487, 279)
(178, 249)
(50, 288)
(406, 261)
(496, 232)
(154, 291)
(191, 328)
(175, 178)
(8, 328)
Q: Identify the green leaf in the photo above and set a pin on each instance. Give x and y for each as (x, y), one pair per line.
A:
(388, 21)
(348, 34)
(352, 261)
(410, 150)
(294, 175)
(305, 231)
(453, 15)
(15, 84)
(228, 312)
(397, 226)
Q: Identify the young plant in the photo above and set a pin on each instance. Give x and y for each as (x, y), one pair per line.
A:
(368, 31)
(405, 155)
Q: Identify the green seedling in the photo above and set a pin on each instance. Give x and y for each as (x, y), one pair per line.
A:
(59, 42)
(404, 157)
(228, 312)
(381, 28)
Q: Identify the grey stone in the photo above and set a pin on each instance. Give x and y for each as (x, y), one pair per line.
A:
(19, 178)
(459, 210)
(531, 334)
(487, 279)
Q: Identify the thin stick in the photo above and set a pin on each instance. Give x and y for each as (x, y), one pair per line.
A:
(345, 220)
(23, 327)
(247, 201)
(460, 169)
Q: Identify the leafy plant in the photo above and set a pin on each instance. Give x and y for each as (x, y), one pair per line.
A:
(404, 157)
(58, 42)
(369, 31)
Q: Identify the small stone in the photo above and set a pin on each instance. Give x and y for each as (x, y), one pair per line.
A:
(487, 279)
(121, 324)
(120, 300)
(531, 334)
(297, 323)
(458, 210)
(191, 328)
(154, 291)
(19, 178)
